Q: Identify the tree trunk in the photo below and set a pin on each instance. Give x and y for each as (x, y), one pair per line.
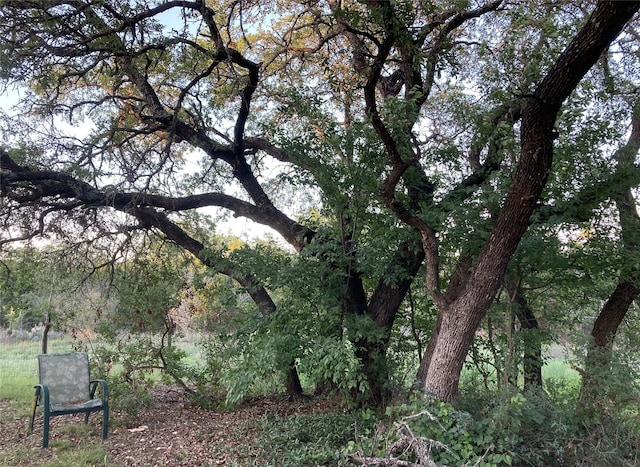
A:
(383, 309)
(45, 332)
(456, 284)
(292, 383)
(614, 310)
(603, 333)
(532, 358)
(375, 369)
(461, 318)
(428, 352)
(453, 340)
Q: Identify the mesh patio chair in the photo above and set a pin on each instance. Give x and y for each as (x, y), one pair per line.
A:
(65, 388)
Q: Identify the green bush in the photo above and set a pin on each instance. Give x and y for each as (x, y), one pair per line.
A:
(530, 424)
(492, 429)
(541, 428)
(205, 374)
(454, 437)
(130, 367)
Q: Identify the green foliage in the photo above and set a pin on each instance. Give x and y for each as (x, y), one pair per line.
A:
(133, 363)
(611, 386)
(254, 360)
(26, 281)
(451, 436)
(309, 327)
(573, 434)
(309, 439)
(148, 288)
(473, 74)
(49, 282)
(252, 367)
(431, 431)
(334, 361)
(504, 428)
(206, 373)
(127, 365)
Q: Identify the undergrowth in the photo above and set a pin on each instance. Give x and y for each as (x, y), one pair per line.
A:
(542, 428)
(310, 439)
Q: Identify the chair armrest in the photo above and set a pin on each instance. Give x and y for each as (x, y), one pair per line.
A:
(42, 395)
(93, 385)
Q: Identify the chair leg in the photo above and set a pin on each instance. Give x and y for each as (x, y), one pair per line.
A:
(105, 421)
(33, 415)
(45, 428)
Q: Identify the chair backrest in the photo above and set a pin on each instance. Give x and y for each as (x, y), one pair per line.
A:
(66, 376)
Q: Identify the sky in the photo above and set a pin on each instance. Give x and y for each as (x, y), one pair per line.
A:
(242, 228)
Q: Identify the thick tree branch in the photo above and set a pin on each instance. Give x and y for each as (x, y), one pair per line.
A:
(537, 130)
(142, 207)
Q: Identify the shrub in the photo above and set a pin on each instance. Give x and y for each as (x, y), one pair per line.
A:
(431, 432)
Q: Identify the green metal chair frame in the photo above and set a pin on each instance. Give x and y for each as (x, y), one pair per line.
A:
(66, 388)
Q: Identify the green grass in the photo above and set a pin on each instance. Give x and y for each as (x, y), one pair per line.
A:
(18, 375)
(61, 453)
(309, 439)
(68, 453)
(558, 369)
(19, 367)
(90, 455)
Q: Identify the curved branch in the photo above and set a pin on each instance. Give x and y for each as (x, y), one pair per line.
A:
(142, 207)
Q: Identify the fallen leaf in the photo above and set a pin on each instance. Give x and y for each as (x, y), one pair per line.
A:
(140, 428)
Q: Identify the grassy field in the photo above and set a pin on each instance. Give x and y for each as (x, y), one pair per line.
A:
(19, 367)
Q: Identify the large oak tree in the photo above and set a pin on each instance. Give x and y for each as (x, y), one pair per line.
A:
(395, 119)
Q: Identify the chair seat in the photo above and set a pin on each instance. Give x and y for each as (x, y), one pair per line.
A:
(81, 407)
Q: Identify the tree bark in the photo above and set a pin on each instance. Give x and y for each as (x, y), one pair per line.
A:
(603, 334)
(627, 290)
(292, 383)
(461, 318)
(613, 312)
(45, 332)
(532, 352)
(423, 369)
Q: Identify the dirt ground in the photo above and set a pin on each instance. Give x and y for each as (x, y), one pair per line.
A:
(171, 432)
